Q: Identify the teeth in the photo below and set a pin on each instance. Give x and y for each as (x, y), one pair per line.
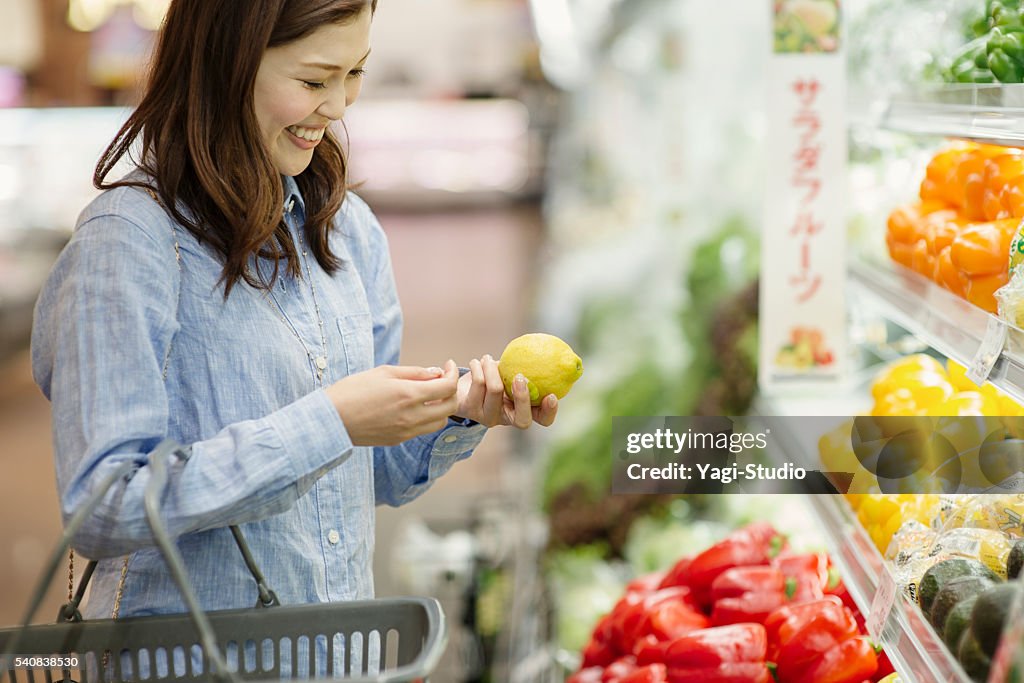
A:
(310, 134)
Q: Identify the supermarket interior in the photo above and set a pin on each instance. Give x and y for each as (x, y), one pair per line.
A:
(798, 221)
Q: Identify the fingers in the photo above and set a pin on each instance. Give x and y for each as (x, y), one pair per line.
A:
(439, 388)
(494, 390)
(522, 415)
(545, 413)
(414, 372)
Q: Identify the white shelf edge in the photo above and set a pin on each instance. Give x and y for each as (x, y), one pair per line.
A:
(952, 326)
(989, 113)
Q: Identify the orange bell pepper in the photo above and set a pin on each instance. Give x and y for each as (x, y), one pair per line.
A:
(948, 276)
(920, 260)
(980, 290)
(999, 171)
(983, 248)
(1012, 196)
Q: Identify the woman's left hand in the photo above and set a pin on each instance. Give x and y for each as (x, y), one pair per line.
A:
(482, 398)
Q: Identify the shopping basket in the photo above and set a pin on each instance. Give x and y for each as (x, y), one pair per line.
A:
(382, 641)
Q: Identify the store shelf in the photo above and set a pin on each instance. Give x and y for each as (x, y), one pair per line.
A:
(914, 648)
(942, 320)
(980, 112)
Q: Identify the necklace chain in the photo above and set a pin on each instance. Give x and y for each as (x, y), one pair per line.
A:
(319, 362)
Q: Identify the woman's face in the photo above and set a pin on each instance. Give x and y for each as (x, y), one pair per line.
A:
(303, 86)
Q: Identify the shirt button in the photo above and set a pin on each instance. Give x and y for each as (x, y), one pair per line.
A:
(451, 438)
(333, 536)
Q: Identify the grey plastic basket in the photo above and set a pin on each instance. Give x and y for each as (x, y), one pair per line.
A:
(397, 640)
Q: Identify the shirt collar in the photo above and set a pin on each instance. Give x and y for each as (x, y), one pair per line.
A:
(291, 193)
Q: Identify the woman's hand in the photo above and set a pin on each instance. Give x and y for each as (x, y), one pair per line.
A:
(391, 404)
(481, 397)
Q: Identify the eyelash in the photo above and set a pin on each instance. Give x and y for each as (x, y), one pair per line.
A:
(319, 85)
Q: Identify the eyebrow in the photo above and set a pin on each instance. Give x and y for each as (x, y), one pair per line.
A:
(332, 67)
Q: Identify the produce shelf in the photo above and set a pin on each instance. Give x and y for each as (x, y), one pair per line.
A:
(942, 320)
(989, 113)
(914, 648)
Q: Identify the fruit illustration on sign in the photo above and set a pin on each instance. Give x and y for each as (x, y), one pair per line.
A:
(549, 365)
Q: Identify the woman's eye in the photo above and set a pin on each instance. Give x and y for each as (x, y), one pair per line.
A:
(357, 73)
(314, 85)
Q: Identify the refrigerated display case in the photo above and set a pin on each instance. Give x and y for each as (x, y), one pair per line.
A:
(894, 310)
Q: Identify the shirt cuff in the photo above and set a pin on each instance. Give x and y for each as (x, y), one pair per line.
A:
(313, 434)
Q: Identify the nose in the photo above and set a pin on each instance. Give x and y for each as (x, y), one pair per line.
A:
(333, 107)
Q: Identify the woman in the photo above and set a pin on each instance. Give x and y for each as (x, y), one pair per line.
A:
(229, 294)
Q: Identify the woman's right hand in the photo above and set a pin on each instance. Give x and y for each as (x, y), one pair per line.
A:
(391, 404)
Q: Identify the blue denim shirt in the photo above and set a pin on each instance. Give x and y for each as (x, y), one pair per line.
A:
(132, 346)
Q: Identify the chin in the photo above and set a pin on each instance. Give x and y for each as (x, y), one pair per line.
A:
(294, 167)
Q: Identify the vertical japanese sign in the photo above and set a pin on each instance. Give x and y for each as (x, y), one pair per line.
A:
(803, 254)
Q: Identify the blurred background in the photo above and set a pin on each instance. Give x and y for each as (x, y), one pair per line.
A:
(588, 168)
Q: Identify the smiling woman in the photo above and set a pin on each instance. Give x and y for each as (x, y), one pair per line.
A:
(302, 86)
(218, 141)
(231, 295)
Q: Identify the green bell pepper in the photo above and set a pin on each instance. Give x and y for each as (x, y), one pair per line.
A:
(1005, 68)
(1005, 53)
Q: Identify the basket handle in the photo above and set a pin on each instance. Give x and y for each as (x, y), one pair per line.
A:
(175, 564)
(57, 557)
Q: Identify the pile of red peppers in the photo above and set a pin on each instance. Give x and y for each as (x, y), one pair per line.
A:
(746, 610)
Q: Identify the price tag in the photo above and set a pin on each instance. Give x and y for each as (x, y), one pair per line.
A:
(988, 353)
(881, 606)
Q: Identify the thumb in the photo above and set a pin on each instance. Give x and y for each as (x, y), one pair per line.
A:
(416, 373)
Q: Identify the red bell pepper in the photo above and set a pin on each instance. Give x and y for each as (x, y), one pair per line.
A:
(632, 616)
(784, 622)
(751, 607)
(591, 674)
(732, 583)
(807, 576)
(652, 673)
(601, 650)
(885, 666)
(712, 647)
(670, 620)
(755, 544)
(676, 575)
(852, 661)
(648, 583)
(813, 638)
(650, 650)
(741, 672)
(743, 594)
(619, 669)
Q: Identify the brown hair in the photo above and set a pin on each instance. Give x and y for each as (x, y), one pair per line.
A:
(201, 144)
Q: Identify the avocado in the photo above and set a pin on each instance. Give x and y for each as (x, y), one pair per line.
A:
(955, 591)
(1016, 559)
(958, 621)
(975, 662)
(990, 613)
(941, 573)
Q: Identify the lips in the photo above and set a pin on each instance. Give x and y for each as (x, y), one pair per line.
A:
(305, 138)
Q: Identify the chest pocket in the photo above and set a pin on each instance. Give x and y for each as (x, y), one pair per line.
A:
(357, 336)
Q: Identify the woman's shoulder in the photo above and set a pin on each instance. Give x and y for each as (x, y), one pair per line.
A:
(357, 224)
(127, 209)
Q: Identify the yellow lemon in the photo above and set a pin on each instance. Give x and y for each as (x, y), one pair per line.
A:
(548, 363)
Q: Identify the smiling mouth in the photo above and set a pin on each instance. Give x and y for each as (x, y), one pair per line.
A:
(308, 135)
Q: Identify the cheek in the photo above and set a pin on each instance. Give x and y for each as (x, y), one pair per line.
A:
(276, 110)
(352, 91)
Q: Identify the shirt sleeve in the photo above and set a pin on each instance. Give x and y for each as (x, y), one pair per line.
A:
(103, 329)
(403, 472)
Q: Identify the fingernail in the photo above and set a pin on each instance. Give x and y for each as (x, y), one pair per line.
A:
(553, 401)
(521, 380)
(434, 370)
